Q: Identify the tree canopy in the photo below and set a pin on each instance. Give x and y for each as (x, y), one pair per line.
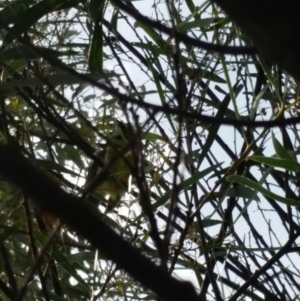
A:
(209, 100)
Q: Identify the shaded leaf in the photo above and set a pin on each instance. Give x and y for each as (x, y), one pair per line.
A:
(45, 164)
(33, 14)
(275, 162)
(185, 26)
(257, 187)
(95, 58)
(55, 80)
(20, 52)
(12, 10)
(62, 261)
(186, 184)
(281, 152)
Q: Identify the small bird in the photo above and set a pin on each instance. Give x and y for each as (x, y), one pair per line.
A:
(112, 181)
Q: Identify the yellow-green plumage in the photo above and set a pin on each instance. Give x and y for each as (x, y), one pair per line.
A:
(114, 181)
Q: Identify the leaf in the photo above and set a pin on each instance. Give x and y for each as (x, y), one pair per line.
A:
(190, 4)
(281, 152)
(162, 44)
(237, 192)
(46, 164)
(185, 26)
(33, 14)
(186, 184)
(62, 261)
(215, 128)
(12, 68)
(210, 222)
(152, 136)
(94, 6)
(275, 162)
(10, 230)
(257, 187)
(55, 80)
(95, 58)
(23, 52)
(196, 74)
(11, 12)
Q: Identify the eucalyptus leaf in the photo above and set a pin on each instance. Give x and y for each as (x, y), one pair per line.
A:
(259, 188)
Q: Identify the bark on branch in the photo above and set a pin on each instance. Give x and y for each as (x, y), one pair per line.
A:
(78, 215)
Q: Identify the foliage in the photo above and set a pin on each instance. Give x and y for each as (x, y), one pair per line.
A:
(223, 193)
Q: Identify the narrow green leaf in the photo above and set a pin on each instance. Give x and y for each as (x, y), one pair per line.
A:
(186, 184)
(195, 74)
(45, 164)
(210, 222)
(213, 76)
(190, 4)
(114, 21)
(275, 162)
(12, 68)
(23, 52)
(12, 10)
(237, 192)
(185, 26)
(95, 59)
(62, 261)
(152, 136)
(93, 8)
(215, 128)
(220, 24)
(257, 187)
(8, 88)
(34, 13)
(10, 230)
(156, 50)
(157, 82)
(162, 44)
(281, 152)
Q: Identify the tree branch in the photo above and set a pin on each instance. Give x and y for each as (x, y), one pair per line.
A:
(82, 218)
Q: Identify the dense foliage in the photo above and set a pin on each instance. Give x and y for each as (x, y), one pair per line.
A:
(214, 196)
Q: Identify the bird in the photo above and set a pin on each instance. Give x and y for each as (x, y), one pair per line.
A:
(112, 180)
